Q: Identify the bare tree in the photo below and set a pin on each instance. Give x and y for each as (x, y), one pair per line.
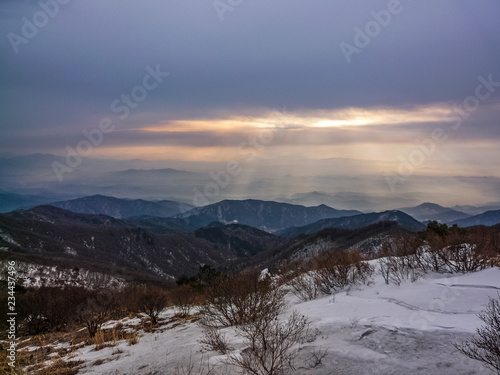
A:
(458, 250)
(304, 286)
(96, 309)
(486, 347)
(50, 308)
(397, 269)
(468, 252)
(316, 357)
(241, 299)
(336, 269)
(435, 259)
(127, 299)
(290, 270)
(214, 339)
(270, 345)
(34, 308)
(184, 297)
(152, 301)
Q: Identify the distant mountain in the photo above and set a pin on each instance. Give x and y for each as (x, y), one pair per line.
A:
(123, 208)
(354, 222)
(48, 214)
(431, 211)
(348, 200)
(266, 215)
(488, 218)
(476, 210)
(139, 179)
(11, 202)
(314, 198)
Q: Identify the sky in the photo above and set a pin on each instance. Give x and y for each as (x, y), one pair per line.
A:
(393, 89)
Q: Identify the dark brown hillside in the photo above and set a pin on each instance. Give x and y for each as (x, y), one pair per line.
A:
(368, 240)
(242, 239)
(100, 242)
(96, 239)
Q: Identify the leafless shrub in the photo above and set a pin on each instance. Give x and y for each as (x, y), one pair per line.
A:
(486, 347)
(467, 253)
(404, 258)
(152, 301)
(310, 335)
(397, 269)
(457, 250)
(96, 280)
(316, 357)
(439, 249)
(269, 345)
(96, 309)
(290, 270)
(304, 286)
(184, 298)
(127, 300)
(214, 339)
(336, 269)
(49, 308)
(241, 299)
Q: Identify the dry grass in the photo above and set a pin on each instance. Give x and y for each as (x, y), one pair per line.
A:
(5, 369)
(109, 337)
(35, 364)
(98, 362)
(133, 339)
(49, 353)
(52, 353)
(59, 367)
(179, 319)
(46, 360)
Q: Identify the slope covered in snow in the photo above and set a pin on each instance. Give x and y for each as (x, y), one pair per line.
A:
(371, 329)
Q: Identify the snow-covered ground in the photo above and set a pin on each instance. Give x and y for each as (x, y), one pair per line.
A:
(37, 275)
(372, 329)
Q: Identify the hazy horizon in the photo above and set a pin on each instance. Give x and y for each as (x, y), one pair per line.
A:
(185, 181)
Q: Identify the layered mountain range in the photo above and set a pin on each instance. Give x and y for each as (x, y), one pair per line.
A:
(139, 239)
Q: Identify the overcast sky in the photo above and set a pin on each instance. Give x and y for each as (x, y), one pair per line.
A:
(300, 69)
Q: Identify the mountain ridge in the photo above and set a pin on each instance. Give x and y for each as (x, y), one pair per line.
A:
(488, 218)
(121, 208)
(434, 212)
(355, 222)
(266, 215)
